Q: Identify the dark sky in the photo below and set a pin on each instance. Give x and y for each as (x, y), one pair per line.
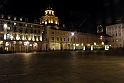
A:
(79, 14)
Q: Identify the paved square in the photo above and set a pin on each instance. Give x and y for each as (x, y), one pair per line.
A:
(62, 67)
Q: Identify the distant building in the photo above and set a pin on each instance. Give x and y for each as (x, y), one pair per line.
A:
(116, 31)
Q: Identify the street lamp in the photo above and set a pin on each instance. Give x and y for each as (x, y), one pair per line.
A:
(73, 45)
(5, 30)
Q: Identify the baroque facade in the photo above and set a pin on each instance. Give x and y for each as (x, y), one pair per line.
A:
(57, 38)
(17, 34)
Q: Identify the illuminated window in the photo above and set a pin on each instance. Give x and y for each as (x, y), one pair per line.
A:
(26, 25)
(8, 17)
(14, 18)
(14, 23)
(31, 25)
(20, 19)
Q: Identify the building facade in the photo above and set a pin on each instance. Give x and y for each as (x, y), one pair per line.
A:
(57, 38)
(17, 34)
(116, 31)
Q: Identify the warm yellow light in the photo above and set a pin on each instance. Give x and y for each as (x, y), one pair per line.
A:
(102, 43)
(29, 38)
(11, 37)
(26, 43)
(77, 44)
(82, 44)
(23, 37)
(35, 44)
(17, 37)
(1, 42)
(7, 44)
(56, 22)
(45, 22)
(37, 39)
(33, 38)
(94, 43)
(51, 21)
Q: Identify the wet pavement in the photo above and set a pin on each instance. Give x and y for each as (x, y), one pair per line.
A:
(62, 67)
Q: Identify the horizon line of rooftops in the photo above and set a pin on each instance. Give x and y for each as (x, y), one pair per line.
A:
(16, 18)
(21, 19)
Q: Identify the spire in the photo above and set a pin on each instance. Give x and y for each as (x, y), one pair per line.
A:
(49, 8)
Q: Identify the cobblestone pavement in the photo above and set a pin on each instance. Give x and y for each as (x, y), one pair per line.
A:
(62, 67)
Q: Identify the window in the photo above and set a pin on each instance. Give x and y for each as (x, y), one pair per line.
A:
(31, 30)
(26, 25)
(52, 38)
(20, 19)
(119, 34)
(61, 39)
(74, 39)
(81, 40)
(31, 25)
(26, 31)
(26, 19)
(35, 31)
(57, 38)
(78, 39)
(14, 23)
(38, 31)
(52, 32)
(64, 39)
(68, 39)
(20, 30)
(20, 24)
(14, 29)
(8, 17)
(14, 18)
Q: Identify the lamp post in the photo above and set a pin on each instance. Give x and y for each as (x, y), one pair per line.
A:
(5, 30)
(72, 35)
(101, 38)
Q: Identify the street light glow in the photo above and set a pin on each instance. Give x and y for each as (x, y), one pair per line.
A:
(72, 34)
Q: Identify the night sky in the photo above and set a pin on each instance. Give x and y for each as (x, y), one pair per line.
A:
(80, 15)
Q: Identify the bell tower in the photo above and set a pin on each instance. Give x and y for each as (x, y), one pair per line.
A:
(49, 18)
(99, 29)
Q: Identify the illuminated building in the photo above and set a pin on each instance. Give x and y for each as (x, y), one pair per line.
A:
(116, 31)
(17, 34)
(49, 17)
(57, 38)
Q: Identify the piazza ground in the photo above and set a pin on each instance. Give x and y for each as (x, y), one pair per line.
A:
(62, 67)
